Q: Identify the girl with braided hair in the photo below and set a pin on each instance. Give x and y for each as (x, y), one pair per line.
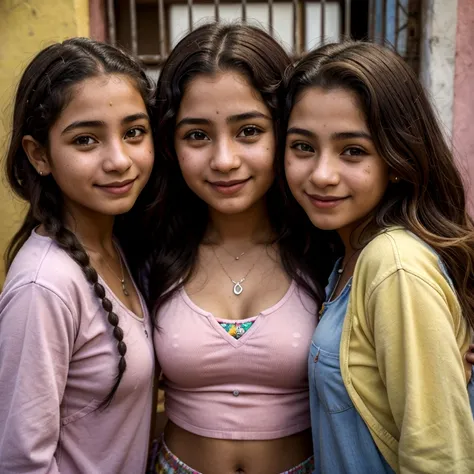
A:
(76, 354)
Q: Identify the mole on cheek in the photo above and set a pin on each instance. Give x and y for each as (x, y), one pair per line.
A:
(110, 103)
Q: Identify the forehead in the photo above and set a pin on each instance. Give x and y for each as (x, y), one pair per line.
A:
(339, 108)
(220, 95)
(104, 96)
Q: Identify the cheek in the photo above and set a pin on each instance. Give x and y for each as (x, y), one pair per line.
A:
(294, 173)
(260, 156)
(190, 163)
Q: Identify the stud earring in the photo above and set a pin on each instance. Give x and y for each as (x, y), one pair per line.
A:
(396, 179)
(41, 173)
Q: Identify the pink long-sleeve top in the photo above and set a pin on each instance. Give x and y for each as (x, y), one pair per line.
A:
(58, 361)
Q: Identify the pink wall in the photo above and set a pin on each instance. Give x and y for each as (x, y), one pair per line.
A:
(463, 109)
(97, 20)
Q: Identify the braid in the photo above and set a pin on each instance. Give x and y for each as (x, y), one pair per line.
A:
(70, 243)
(44, 91)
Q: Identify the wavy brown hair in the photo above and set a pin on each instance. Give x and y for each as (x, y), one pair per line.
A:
(430, 198)
(45, 89)
(178, 219)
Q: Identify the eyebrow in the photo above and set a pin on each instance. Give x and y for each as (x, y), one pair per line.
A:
(254, 114)
(232, 119)
(101, 123)
(334, 136)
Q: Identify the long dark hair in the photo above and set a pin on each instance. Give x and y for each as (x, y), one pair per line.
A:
(178, 219)
(430, 198)
(43, 93)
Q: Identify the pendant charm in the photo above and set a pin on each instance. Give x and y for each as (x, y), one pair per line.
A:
(124, 289)
(238, 288)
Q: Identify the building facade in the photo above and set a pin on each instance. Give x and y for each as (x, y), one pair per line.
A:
(435, 36)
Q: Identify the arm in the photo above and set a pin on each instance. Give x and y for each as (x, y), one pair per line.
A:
(415, 335)
(36, 338)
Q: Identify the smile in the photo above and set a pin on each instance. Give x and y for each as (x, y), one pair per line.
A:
(325, 202)
(228, 187)
(117, 187)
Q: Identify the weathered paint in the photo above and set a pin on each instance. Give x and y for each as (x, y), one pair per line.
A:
(26, 26)
(438, 48)
(463, 132)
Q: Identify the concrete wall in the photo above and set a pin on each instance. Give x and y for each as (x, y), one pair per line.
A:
(438, 50)
(26, 26)
(463, 108)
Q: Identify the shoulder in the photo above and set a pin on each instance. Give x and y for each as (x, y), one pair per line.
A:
(41, 263)
(398, 250)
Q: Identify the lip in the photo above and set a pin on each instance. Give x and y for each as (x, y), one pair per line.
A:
(325, 202)
(228, 187)
(117, 187)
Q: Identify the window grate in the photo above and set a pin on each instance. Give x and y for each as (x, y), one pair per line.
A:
(150, 28)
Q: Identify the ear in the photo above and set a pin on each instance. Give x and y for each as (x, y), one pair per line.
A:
(36, 154)
(393, 178)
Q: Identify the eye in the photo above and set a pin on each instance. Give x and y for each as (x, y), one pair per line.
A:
(249, 132)
(196, 135)
(135, 132)
(304, 147)
(354, 151)
(84, 140)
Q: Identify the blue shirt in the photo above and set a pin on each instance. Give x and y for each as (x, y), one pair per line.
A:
(341, 440)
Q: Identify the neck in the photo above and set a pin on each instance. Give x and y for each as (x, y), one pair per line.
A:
(252, 225)
(94, 232)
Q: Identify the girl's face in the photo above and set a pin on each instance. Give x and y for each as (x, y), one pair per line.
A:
(100, 149)
(225, 142)
(331, 164)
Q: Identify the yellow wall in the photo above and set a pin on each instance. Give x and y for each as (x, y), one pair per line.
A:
(27, 26)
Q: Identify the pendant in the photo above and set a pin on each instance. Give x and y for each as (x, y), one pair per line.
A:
(238, 288)
(124, 289)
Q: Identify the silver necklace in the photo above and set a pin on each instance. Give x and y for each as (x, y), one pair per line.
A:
(121, 277)
(233, 256)
(238, 288)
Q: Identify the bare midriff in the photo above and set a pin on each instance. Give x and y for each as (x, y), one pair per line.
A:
(222, 456)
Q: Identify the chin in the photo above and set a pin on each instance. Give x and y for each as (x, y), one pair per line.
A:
(116, 210)
(324, 224)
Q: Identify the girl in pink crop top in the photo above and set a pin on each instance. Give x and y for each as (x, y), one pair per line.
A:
(76, 354)
(233, 314)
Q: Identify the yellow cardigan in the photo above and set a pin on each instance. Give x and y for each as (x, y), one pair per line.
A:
(402, 359)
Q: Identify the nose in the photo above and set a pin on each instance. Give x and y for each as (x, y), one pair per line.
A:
(326, 171)
(117, 157)
(225, 156)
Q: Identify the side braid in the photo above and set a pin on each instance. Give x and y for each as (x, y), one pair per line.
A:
(70, 243)
(44, 91)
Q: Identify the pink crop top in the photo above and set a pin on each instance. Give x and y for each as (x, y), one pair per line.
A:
(251, 388)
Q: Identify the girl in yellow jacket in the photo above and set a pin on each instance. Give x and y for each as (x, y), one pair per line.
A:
(366, 158)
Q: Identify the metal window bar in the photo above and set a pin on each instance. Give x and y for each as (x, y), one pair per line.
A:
(323, 20)
(133, 27)
(404, 23)
(270, 16)
(347, 19)
(371, 20)
(111, 22)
